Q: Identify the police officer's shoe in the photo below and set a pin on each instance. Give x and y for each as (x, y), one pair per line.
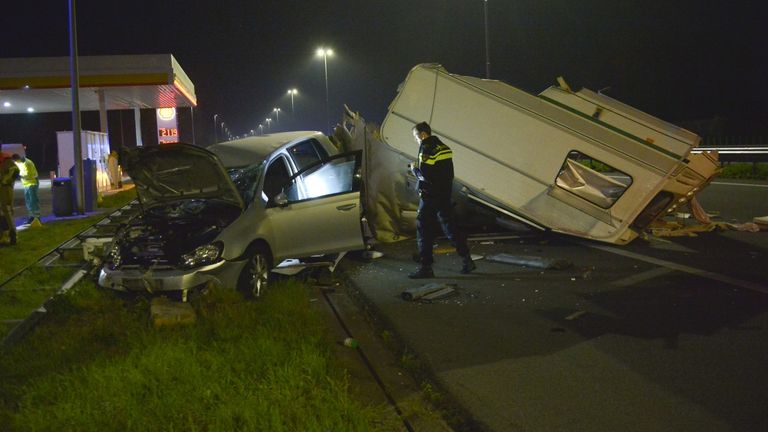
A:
(424, 272)
(468, 266)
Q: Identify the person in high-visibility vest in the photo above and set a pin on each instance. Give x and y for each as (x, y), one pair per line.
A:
(435, 174)
(29, 180)
(113, 170)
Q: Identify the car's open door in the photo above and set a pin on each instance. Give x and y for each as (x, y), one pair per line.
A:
(319, 210)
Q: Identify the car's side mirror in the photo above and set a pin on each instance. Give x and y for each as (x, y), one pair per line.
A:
(280, 199)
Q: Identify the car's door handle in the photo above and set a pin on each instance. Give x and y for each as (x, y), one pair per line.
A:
(346, 207)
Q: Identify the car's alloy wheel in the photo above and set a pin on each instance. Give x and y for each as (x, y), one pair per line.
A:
(255, 275)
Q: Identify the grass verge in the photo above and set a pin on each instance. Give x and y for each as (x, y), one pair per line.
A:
(19, 297)
(34, 242)
(744, 170)
(97, 364)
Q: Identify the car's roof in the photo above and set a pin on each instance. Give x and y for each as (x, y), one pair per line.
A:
(254, 149)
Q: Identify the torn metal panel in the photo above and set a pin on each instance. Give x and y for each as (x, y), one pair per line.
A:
(578, 163)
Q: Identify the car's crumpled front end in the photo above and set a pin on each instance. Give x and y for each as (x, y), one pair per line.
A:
(187, 199)
(170, 247)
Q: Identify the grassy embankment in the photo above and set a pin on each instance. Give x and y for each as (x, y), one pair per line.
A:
(745, 171)
(96, 363)
(29, 289)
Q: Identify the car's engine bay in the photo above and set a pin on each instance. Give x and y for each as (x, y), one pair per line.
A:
(160, 235)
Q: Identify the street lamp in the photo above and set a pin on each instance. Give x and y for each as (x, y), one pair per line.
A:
(269, 123)
(487, 51)
(215, 127)
(277, 115)
(293, 92)
(261, 129)
(325, 53)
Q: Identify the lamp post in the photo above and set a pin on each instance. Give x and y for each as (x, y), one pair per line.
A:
(277, 116)
(215, 127)
(261, 129)
(269, 123)
(487, 51)
(293, 92)
(325, 53)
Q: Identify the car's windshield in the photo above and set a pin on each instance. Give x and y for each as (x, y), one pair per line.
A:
(245, 179)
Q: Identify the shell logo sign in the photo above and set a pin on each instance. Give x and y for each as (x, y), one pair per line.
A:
(167, 129)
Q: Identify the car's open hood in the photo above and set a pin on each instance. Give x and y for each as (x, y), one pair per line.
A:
(170, 172)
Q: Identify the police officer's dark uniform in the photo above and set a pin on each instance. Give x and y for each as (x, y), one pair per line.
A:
(435, 174)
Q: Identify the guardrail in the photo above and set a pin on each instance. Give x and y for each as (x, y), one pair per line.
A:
(738, 154)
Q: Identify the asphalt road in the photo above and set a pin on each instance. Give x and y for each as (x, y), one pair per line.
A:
(661, 335)
(614, 343)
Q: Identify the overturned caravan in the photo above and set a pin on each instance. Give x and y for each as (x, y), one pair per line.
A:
(578, 163)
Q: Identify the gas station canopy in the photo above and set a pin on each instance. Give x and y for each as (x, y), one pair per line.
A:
(42, 84)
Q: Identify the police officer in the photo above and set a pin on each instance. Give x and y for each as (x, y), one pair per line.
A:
(435, 174)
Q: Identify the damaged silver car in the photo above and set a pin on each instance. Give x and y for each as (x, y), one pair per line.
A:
(229, 214)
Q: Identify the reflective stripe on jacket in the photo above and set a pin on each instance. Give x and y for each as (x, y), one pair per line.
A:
(436, 165)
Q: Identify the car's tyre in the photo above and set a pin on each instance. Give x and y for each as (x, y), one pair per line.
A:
(255, 276)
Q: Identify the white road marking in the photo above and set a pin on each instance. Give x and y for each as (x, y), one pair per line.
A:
(683, 268)
(644, 276)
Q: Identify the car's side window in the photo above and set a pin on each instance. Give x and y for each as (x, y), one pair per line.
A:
(276, 177)
(307, 153)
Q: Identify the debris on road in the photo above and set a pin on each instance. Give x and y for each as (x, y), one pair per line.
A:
(576, 315)
(761, 222)
(430, 291)
(661, 228)
(351, 342)
(530, 261)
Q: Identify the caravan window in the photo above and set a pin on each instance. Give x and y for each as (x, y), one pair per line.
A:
(592, 180)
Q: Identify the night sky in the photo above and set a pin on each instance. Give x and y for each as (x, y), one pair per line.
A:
(679, 60)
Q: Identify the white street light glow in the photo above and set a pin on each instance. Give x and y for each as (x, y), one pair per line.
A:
(325, 53)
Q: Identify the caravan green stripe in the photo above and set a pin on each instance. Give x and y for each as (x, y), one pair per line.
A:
(613, 128)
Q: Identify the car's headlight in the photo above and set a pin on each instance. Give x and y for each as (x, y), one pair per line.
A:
(203, 255)
(114, 259)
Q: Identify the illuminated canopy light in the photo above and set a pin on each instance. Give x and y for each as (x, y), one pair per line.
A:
(166, 113)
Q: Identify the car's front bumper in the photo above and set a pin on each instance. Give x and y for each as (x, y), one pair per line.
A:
(222, 273)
